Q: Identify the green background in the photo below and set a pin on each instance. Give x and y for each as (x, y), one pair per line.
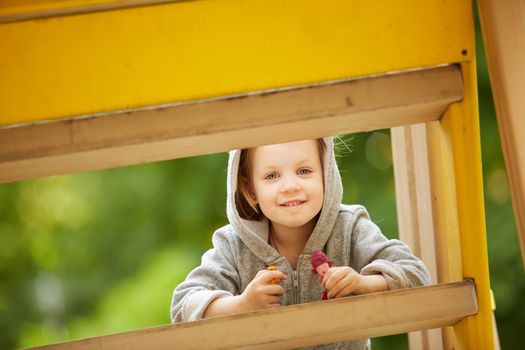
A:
(101, 252)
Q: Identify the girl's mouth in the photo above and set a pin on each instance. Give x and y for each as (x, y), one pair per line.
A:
(292, 203)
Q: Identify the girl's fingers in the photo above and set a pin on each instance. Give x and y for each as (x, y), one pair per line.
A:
(327, 277)
(274, 289)
(344, 285)
(344, 292)
(274, 300)
(332, 277)
(266, 276)
(332, 292)
(260, 272)
(341, 283)
(335, 274)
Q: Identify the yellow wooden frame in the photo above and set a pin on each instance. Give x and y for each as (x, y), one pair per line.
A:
(147, 56)
(440, 208)
(69, 69)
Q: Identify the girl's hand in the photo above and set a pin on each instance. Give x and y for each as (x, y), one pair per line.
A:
(342, 281)
(261, 293)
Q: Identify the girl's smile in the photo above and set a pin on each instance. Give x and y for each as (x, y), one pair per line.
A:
(292, 203)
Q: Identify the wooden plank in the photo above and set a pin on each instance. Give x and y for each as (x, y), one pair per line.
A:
(445, 213)
(79, 65)
(179, 130)
(444, 204)
(427, 208)
(413, 192)
(502, 23)
(416, 226)
(299, 325)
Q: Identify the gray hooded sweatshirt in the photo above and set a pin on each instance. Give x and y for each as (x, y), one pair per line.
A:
(343, 232)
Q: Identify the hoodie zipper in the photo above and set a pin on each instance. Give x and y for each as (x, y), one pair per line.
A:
(295, 280)
(295, 283)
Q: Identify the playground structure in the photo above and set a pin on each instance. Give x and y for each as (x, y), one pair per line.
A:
(95, 84)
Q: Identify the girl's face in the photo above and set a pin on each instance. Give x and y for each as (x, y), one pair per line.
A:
(288, 182)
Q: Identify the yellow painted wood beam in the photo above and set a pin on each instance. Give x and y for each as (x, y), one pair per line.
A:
(456, 188)
(111, 61)
(29, 151)
(461, 125)
(298, 325)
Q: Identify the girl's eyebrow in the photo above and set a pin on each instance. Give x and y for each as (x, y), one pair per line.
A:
(261, 171)
(274, 167)
(305, 161)
(268, 167)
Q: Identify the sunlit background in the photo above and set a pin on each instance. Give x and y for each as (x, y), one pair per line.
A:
(101, 252)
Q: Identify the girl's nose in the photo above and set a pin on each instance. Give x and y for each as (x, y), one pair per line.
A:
(290, 186)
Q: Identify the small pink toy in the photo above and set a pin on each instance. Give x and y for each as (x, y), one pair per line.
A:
(320, 265)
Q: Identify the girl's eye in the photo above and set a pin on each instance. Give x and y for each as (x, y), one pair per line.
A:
(271, 176)
(304, 171)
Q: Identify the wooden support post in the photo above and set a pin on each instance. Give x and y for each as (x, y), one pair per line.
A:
(427, 209)
(410, 153)
(503, 27)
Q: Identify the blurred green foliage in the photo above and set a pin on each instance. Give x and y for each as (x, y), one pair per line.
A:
(97, 253)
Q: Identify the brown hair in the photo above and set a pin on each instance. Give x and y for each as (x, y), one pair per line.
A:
(244, 198)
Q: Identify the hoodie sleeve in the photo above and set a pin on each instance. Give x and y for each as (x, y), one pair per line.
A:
(373, 253)
(216, 277)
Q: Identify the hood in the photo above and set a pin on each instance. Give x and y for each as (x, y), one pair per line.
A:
(254, 234)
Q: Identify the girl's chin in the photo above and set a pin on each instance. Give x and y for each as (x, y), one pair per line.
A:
(293, 224)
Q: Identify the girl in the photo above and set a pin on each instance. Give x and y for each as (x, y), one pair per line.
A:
(284, 202)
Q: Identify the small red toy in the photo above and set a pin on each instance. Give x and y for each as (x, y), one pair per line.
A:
(320, 265)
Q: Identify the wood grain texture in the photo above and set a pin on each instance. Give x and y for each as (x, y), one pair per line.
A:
(202, 127)
(415, 217)
(299, 325)
(503, 27)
